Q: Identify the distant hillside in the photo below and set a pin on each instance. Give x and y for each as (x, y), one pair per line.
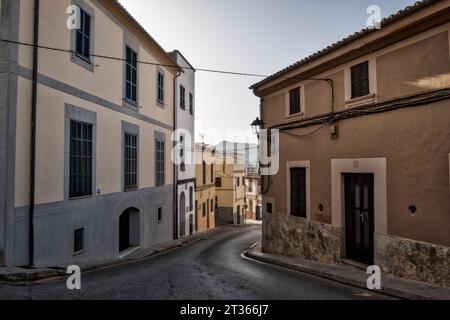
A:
(248, 150)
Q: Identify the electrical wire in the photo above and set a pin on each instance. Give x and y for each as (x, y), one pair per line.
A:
(235, 73)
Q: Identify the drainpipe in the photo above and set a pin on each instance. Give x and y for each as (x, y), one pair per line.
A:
(175, 169)
(33, 134)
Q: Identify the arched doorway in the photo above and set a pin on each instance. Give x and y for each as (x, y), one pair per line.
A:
(182, 214)
(129, 229)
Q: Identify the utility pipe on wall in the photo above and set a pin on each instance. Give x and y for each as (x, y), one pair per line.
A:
(33, 134)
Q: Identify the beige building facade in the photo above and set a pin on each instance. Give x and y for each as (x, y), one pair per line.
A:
(230, 188)
(103, 176)
(253, 198)
(364, 149)
(205, 189)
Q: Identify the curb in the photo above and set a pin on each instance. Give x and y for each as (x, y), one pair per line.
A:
(389, 291)
(48, 274)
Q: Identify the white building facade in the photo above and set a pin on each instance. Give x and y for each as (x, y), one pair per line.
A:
(185, 137)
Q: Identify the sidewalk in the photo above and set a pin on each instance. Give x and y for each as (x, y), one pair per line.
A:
(393, 286)
(21, 275)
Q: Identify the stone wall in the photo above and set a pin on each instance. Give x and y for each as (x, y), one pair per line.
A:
(295, 237)
(413, 260)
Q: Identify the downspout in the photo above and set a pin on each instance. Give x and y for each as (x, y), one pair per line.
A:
(175, 169)
(33, 134)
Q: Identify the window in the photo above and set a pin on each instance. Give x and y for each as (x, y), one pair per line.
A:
(80, 159)
(250, 185)
(159, 215)
(160, 162)
(360, 80)
(204, 209)
(182, 98)
(78, 240)
(131, 161)
(294, 101)
(204, 172)
(238, 181)
(212, 173)
(207, 207)
(160, 87)
(191, 198)
(182, 153)
(298, 192)
(131, 76)
(218, 182)
(83, 36)
(191, 103)
(212, 205)
(269, 207)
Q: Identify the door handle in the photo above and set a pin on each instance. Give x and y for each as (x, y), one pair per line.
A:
(363, 217)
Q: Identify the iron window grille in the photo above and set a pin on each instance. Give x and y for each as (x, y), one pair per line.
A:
(131, 161)
(81, 158)
(160, 162)
(78, 244)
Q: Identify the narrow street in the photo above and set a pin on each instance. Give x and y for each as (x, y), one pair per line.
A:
(209, 269)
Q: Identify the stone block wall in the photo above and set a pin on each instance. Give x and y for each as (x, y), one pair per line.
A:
(413, 259)
(295, 237)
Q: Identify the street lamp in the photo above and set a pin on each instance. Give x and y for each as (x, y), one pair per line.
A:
(257, 125)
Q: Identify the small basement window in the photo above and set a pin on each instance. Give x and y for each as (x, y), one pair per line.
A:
(159, 215)
(78, 240)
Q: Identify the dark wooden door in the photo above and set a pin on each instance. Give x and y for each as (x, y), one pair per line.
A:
(298, 192)
(359, 217)
(124, 231)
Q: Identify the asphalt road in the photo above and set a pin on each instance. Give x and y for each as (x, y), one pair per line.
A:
(209, 269)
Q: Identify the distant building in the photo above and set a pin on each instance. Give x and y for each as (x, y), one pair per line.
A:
(253, 198)
(185, 124)
(205, 190)
(230, 188)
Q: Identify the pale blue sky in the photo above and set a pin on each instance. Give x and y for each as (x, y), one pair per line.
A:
(254, 36)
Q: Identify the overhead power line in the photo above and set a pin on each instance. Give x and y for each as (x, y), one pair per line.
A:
(234, 73)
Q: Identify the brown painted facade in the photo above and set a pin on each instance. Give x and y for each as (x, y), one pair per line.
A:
(399, 133)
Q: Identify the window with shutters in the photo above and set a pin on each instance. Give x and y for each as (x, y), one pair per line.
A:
(298, 192)
(81, 158)
(191, 103)
(131, 161)
(160, 79)
(360, 80)
(218, 182)
(131, 76)
(294, 101)
(182, 98)
(83, 36)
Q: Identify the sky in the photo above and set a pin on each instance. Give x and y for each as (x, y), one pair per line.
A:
(251, 36)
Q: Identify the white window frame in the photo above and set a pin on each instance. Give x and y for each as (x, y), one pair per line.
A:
(301, 114)
(373, 86)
